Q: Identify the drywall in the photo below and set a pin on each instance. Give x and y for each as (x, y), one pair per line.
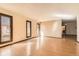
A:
(19, 26)
(71, 27)
(51, 28)
(78, 28)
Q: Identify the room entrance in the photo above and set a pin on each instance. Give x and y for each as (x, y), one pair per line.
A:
(69, 28)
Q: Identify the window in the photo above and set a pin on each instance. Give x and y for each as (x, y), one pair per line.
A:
(28, 29)
(5, 28)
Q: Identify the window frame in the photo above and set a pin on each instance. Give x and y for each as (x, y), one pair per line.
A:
(11, 28)
(30, 29)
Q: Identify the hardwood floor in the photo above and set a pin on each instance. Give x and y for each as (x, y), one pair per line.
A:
(43, 46)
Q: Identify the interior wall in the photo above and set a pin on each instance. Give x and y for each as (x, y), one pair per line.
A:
(51, 28)
(78, 28)
(71, 27)
(34, 28)
(19, 26)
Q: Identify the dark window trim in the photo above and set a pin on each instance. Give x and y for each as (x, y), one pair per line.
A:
(30, 29)
(11, 27)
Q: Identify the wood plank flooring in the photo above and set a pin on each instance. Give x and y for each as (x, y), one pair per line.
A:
(43, 46)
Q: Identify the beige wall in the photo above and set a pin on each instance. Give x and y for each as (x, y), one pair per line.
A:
(51, 28)
(34, 28)
(19, 26)
(78, 28)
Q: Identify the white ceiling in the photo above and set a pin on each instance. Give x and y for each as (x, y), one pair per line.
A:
(44, 11)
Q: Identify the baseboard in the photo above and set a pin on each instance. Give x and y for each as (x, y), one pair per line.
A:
(53, 37)
(17, 42)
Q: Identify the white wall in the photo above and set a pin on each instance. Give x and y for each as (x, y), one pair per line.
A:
(51, 28)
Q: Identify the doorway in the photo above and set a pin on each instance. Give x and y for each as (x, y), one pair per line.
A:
(69, 29)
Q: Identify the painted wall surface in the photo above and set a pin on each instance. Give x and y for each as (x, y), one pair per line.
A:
(78, 28)
(71, 28)
(51, 28)
(19, 26)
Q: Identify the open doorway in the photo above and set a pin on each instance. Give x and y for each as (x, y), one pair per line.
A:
(69, 29)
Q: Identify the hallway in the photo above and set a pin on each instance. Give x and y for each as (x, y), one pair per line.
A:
(43, 46)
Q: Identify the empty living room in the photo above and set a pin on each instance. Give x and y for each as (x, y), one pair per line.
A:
(39, 29)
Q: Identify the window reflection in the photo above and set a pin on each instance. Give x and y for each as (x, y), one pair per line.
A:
(5, 28)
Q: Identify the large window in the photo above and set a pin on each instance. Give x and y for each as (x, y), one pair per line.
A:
(5, 28)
